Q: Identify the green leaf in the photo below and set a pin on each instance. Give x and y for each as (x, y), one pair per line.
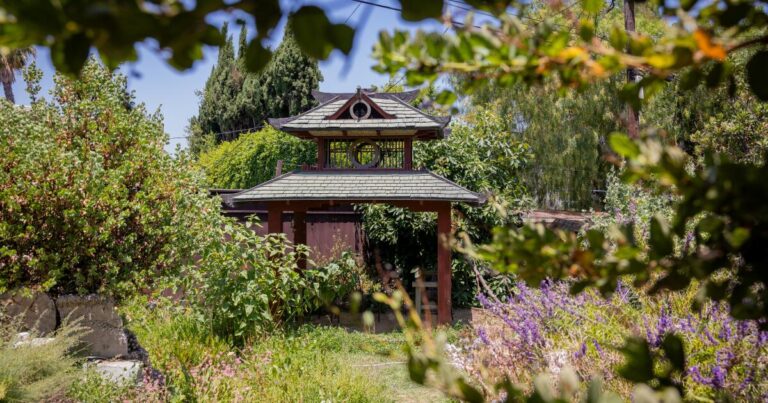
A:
(417, 10)
(638, 364)
(623, 145)
(673, 349)
(317, 36)
(661, 241)
(257, 56)
(446, 97)
(757, 78)
(592, 6)
(417, 369)
(73, 54)
(468, 392)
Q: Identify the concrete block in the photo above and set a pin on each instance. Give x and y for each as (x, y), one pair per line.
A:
(119, 371)
(24, 339)
(105, 336)
(34, 312)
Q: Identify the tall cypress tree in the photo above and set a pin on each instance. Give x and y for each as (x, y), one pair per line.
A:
(219, 91)
(236, 100)
(290, 78)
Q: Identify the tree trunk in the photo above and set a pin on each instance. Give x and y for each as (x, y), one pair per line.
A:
(633, 117)
(8, 88)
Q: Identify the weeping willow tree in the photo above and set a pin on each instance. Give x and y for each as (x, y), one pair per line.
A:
(565, 129)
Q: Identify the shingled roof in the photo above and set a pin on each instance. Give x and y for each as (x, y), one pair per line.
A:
(406, 96)
(370, 186)
(406, 117)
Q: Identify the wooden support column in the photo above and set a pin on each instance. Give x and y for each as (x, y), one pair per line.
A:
(320, 153)
(300, 232)
(444, 315)
(408, 156)
(274, 218)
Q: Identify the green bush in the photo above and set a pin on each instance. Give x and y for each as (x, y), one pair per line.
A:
(246, 285)
(90, 202)
(36, 372)
(339, 278)
(304, 364)
(252, 158)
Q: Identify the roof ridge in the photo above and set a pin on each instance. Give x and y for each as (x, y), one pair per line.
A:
(444, 179)
(267, 182)
(292, 118)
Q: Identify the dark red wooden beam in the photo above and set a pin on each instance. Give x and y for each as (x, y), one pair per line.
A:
(444, 312)
(300, 233)
(274, 218)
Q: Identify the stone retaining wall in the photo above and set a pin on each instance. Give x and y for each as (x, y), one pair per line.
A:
(104, 337)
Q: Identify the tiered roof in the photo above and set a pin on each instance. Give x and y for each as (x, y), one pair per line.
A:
(369, 186)
(404, 119)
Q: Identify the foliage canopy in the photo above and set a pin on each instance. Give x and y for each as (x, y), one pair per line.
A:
(89, 199)
(251, 158)
(236, 100)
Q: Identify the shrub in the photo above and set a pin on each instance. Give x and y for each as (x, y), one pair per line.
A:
(245, 285)
(548, 329)
(252, 158)
(337, 279)
(36, 372)
(304, 364)
(90, 202)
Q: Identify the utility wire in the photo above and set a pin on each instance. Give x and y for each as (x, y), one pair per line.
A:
(353, 12)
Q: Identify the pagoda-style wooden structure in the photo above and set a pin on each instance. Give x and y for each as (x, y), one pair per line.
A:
(364, 155)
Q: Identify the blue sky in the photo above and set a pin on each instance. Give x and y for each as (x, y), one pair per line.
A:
(160, 86)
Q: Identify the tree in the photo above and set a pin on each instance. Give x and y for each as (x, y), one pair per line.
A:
(235, 100)
(219, 94)
(14, 60)
(90, 202)
(290, 78)
(566, 128)
(252, 157)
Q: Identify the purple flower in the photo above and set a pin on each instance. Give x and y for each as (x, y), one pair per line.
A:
(483, 336)
(597, 347)
(762, 338)
(718, 377)
(581, 352)
(717, 380)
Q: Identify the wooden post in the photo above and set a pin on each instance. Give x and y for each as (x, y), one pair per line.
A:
(300, 233)
(408, 155)
(279, 168)
(320, 153)
(274, 218)
(444, 264)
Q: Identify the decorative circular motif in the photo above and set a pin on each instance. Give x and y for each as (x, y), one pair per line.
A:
(360, 110)
(356, 146)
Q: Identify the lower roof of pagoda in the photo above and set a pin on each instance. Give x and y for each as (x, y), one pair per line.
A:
(364, 186)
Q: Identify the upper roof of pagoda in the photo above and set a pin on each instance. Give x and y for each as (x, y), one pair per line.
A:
(364, 113)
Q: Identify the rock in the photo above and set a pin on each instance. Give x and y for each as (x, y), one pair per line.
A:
(34, 312)
(120, 371)
(25, 339)
(105, 336)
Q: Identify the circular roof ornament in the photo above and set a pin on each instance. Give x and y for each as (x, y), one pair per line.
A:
(360, 110)
(355, 149)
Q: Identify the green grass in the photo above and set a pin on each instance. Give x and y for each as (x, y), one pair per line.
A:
(304, 364)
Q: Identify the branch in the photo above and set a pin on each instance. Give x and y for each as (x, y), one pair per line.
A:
(745, 44)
